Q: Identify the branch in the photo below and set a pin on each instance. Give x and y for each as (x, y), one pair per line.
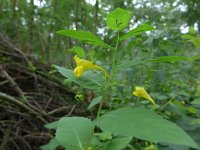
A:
(13, 83)
(14, 101)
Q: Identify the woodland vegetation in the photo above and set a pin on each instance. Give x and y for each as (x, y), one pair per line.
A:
(99, 74)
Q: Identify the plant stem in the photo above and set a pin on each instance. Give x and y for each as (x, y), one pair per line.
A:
(111, 73)
(99, 111)
(163, 106)
(114, 55)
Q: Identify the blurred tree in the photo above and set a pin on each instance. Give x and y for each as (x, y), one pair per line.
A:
(42, 18)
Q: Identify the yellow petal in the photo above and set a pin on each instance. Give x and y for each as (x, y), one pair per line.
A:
(141, 92)
(78, 71)
(77, 60)
(83, 65)
(87, 64)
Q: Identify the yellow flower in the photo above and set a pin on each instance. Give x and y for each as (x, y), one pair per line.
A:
(84, 65)
(141, 92)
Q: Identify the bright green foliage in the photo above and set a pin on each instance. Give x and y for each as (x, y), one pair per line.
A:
(78, 51)
(140, 59)
(195, 122)
(143, 124)
(95, 101)
(151, 147)
(118, 143)
(103, 136)
(169, 59)
(193, 38)
(89, 80)
(196, 101)
(118, 19)
(137, 122)
(52, 145)
(128, 64)
(195, 57)
(137, 31)
(52, 125)
(172, 59)
(74, 133)
(84, 36)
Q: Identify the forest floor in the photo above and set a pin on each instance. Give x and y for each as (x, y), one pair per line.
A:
(30, 97)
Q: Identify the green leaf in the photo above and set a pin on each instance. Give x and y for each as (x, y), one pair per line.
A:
(128, 64)
(196, 42)
(195, 122)
(137, 31)
(84, 36)
(74, 133)
(194, 39)
(89, 80)
(104, 136)
(143, 124)
(192, 30)
(118, 19)
(193, 110)
(78, 51)
(52, 145)
(168, 59)
(95, 101)
(118, 143)
(195, 57)
(52, 125)
(196, 101)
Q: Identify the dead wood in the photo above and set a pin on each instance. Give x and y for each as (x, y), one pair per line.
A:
(30, 97)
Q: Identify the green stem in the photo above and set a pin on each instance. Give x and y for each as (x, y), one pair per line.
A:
(111, 73)
(114, 56)
(163, 106)
(99, 111)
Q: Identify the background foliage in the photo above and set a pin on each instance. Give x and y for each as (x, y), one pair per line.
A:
(174, 83)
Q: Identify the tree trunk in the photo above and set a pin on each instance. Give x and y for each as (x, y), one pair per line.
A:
(13, 8)
(31, 20)
(76, 13)
(96, 16)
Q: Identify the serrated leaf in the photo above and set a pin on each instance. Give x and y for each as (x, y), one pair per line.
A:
(84, 36)
(168, 59)
(118, 143)
(89, 80)
(78, 51)
(118, 19)
(143, 124)
(137, 31)
(74, 133)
